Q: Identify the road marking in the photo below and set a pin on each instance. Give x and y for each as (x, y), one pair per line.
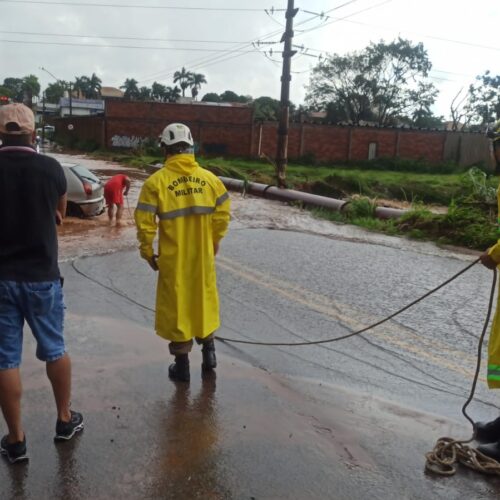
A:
(345, 315)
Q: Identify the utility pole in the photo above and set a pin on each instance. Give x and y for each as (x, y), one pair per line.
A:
(288, 53)
(43, 120)
(70, 95)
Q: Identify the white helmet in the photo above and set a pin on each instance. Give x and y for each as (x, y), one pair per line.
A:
(176, 132)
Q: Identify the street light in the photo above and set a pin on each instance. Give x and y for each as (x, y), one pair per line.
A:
(58, 80)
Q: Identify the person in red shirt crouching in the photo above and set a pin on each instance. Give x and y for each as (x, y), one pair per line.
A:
(114, 190)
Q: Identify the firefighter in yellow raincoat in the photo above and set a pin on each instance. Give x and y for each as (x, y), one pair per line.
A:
(188, 207)
(489, 432)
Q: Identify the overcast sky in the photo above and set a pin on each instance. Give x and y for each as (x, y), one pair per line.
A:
(462, 38)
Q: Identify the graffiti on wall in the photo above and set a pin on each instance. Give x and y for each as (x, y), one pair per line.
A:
(124, 141)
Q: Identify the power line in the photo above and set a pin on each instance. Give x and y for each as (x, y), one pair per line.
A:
(432, 37)
(130, 6)
(108, 37)
(220, 58)
(275, 20)
(204, 62)
(214, 59)
(225, 56)
(336, 20)
(324, 14)
(84, 45)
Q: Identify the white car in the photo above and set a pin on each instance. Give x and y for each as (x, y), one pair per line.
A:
(85, 191)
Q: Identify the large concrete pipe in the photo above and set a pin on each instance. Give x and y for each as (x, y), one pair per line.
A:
(274, 193)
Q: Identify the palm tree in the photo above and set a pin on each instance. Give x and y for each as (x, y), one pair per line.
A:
(81, 86)
(131, 89)
(183, 77)
(195, 82)
(94, 87)
(31, 87)
(172, 94)
(158, 92)
(144, 94)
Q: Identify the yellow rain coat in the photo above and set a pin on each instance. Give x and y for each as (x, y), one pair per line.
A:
(189, 207)
(494, 342)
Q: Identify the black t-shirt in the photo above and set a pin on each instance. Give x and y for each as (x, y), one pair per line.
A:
(30, 187)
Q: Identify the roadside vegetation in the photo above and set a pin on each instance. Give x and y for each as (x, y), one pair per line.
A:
(446, 204)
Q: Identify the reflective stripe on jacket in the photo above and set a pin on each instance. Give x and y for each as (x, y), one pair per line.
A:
(188, 207)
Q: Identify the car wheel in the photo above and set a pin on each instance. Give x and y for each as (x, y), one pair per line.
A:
(73, 210)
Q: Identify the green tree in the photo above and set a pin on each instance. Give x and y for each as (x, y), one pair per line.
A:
(94, 87)
(266, 109)
(384, 83)
(31, 88)
(427, 119)
(158, 92)
(5, 91)
(230, 96)
(183, 77)
(484, 99)
(55, 91)
(131, 91)
(211, 97)
(81, 86)
(88, 87)
(195, 81)
(172, 94)
(144, 94)
(15, 88)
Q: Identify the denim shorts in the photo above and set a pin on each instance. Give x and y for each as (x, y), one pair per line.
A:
(41, 305)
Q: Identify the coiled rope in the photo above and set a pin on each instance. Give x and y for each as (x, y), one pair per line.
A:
(448, 452)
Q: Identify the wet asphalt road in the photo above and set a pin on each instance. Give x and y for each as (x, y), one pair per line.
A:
(342, 421)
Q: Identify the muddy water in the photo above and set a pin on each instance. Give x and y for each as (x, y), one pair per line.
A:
(95, 236)
(83, 237)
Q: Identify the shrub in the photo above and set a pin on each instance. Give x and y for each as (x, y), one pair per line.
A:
(361, 207)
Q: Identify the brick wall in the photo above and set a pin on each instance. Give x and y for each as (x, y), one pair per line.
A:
(84, 128)
(230, 131)
(336, 143)
(223, 130)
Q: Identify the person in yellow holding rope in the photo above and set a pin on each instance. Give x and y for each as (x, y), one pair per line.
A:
(489, 432)
(190, 209)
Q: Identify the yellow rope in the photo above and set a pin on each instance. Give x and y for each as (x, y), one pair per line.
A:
(448, 453)
(443, 460)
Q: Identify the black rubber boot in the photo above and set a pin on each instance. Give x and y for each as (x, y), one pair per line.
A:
(208, 353)
(491, 450)
(179, 371)
(487, 432)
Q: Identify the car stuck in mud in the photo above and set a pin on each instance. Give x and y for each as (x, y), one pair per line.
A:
(85, 191)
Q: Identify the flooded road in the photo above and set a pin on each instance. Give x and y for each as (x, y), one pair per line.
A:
(94, 236)
(344, 420)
